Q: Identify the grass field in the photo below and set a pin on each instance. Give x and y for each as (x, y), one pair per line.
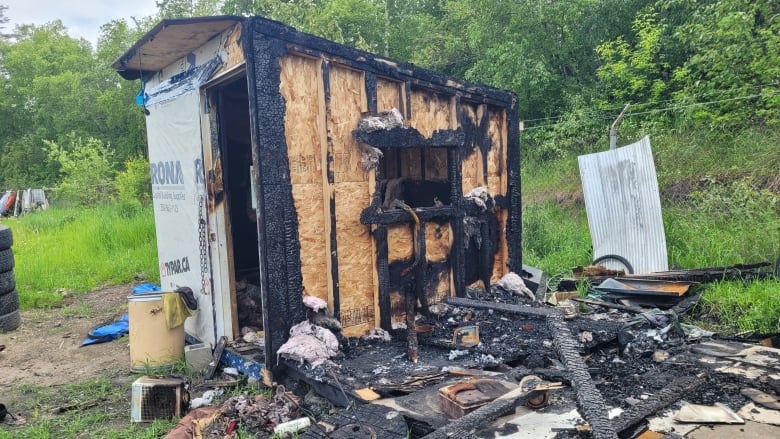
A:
(74, 250)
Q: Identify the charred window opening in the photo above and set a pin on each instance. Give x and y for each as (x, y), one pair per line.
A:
(416, 176)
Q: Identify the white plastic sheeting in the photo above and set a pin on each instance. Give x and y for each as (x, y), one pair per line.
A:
(180, 204)
(624, 207)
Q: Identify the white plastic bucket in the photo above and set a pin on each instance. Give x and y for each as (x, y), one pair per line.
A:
(152, 344)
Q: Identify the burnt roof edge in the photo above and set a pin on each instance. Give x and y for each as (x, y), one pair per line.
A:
(119, 64)
(276, 29)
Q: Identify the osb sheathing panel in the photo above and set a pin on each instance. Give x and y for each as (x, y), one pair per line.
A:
(400, 243)
(347, 102)
(471, 165)
(355, 255)
(436, 164)
(388, 95)
(312, 235)
(302, 120)
(497, 130)
(430, 112)
(303, 124)
(235, 54)
(437, 241)
(500, 267)
(411, 165)
(496, 158)
(356, 270)
(397, 309)
(442, 288)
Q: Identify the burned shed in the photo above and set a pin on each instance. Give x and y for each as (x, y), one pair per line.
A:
(286, 165)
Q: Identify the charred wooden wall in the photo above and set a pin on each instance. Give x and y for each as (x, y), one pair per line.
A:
(307, 96)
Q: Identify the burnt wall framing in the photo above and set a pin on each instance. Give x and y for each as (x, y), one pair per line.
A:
(265, 43)
(277, 221)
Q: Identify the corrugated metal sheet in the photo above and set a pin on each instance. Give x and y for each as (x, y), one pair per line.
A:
(624, 207)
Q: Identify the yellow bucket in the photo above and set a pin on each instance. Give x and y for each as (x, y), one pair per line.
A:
(152, 344)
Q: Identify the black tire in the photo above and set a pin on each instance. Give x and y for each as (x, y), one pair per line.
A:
(6, 237)
(6, 260)
(7, 282)
(621, 259)
(9, 302)
(10, 321)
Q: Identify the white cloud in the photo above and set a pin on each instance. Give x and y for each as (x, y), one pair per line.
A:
(83, 18)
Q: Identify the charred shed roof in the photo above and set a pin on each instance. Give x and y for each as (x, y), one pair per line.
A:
(174, 39)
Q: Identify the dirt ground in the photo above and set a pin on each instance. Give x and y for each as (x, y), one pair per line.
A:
(45, 350)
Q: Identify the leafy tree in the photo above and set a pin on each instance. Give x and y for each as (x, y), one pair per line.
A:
(723, 53)
(3, 21)
(86, 167)
(48, 90)
(122, 121)
(187, 8)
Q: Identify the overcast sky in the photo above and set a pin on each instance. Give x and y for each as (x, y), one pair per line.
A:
(83, 18)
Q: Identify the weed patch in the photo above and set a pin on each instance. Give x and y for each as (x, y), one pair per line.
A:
(107, 418)
(80, 249)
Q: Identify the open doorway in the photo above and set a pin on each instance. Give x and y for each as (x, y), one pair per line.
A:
(235, 141)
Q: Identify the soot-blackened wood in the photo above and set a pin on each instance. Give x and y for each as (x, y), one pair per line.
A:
(506, 307)
(457, 253)
(515, 220)
(371, 92)
(412, 347)
(421, 271)
(590, 402)
(383, 274)
(411, 138)
(464, 427)
(371, 215)
(672, 393)
(334, 251)
(279, 246)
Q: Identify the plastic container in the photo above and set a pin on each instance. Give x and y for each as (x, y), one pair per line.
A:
(152, 344)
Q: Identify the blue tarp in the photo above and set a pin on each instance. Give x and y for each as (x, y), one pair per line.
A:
(113, 330)
(108, 331)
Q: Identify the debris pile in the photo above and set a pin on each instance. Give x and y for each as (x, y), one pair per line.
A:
(256, 414)
(616, 360)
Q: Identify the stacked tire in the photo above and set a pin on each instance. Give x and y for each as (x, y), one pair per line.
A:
(9, 297)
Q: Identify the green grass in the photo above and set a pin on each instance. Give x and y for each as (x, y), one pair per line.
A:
(80, 249)
(110, 418)
(735, 309)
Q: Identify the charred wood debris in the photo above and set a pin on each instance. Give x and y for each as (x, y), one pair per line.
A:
(476, 366)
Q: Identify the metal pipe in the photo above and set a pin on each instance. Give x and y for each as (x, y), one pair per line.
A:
(614, 127)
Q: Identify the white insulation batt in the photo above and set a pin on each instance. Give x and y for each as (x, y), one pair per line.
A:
(310, 343)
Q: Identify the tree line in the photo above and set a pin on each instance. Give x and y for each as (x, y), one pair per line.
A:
(573, 64)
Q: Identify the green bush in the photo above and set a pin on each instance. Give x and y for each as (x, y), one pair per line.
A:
(133, 185)
(87, 173)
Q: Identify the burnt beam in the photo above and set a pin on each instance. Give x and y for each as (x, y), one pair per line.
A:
(411, 138)
(399, 216)
(589, 400)
(505, 307)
